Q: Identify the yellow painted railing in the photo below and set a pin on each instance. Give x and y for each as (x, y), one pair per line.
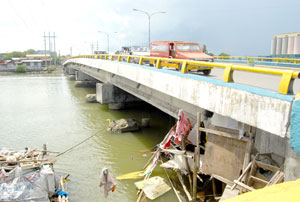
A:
(285, 86)
(262, 59)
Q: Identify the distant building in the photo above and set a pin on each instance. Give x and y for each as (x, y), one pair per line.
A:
(286, 45)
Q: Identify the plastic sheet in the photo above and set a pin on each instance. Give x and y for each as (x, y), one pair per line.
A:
(26, 185)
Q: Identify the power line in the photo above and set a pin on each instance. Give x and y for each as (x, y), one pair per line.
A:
(21, 17)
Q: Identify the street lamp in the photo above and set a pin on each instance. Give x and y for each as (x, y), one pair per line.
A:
(149, 18)
(107, 34)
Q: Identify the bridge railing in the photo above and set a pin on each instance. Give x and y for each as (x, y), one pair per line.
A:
(285, 86)
(260, 59)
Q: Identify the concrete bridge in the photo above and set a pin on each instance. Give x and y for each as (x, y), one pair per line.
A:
(275, 115)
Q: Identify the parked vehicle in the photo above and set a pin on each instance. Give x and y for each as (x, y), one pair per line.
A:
(181, 50)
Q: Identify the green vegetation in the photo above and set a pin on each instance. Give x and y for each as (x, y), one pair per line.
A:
(18, 54)
(21, 69)
(224, 54)
(204, 49)
(50, 69)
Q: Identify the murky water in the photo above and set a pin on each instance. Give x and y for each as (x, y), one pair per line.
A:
(38, 109)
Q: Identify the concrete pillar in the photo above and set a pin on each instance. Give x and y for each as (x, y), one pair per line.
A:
(284, 45)
(273, 45)
(292, 162)
(291, 45)
(80, 76)
(278, 46)
(107, 93)
(297, 45)
(70, 71)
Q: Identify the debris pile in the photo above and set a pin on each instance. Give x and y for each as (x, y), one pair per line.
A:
(216, 162)
(28, 175)
(122, 125)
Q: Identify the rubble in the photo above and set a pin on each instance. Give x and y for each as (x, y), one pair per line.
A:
(122, 125)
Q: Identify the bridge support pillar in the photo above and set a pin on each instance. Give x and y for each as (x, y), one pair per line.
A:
(117, 98)
(80, 76)
(292, 162)
(70, 71)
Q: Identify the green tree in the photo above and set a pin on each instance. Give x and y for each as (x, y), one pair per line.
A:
(21, 69)
(14, 54)
(224, 54)
(30, 51)
(18, 54)
(204, 49)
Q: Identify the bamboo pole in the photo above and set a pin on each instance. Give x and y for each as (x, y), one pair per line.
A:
(177, 195)
(196, 159)
(183, 185)
(187, 164)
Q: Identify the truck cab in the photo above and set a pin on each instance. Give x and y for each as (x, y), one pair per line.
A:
(181, 50)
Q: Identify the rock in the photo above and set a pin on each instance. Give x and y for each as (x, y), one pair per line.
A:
(122, 126)
(72, 77)
(90, 98)
(145, 122)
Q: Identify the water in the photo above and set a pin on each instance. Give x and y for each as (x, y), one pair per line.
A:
(38, 109)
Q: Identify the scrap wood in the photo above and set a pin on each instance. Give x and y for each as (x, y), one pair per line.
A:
(243, 185)
(153, 187)
(183, 185)
(243, 174)
(277, 178)
(174, 189)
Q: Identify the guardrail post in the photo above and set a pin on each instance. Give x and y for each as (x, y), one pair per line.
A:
(141, 61)
(106, 57)
(111, 57)
(119, 58)
(158, 62)
(286, 82)
(183, 67)
(128, 59)
(228, 74)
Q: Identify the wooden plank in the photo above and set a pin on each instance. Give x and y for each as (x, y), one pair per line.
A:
(222, 179)
(267, 166)
(221, 154)
(183, 185)
(258, 180)
(243, 185)
(243, 174)
(224, 134)
(277, 178)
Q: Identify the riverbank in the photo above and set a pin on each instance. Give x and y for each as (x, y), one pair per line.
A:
(57, 71)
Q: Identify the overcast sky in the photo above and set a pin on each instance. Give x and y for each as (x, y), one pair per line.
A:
(237, 27)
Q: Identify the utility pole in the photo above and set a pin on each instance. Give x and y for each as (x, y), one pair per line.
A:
(71, 51)
(50, 50)
(54, 48)
(45, 43)
(92, 47)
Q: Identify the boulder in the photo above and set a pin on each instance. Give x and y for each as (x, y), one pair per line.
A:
(90, 98)
(122, 126)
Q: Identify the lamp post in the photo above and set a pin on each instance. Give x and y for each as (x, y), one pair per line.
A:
(107, 34)
(149, 18)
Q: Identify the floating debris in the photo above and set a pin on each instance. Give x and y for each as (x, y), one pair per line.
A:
(122, 125)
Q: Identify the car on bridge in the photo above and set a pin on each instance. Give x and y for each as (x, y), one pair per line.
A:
(181, 50)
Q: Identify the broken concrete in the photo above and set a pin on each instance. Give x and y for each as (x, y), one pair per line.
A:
(122, 126)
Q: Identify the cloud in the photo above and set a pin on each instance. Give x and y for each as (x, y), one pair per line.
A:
(232, 26)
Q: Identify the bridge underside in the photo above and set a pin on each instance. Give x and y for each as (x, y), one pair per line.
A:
(164, 102)
(234, 106)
